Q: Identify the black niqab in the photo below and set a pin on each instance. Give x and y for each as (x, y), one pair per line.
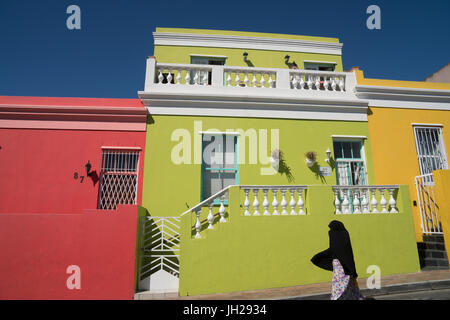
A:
(340, 248)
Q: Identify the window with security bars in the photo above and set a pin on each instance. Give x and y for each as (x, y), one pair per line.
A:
(118, 178)
(430, 149)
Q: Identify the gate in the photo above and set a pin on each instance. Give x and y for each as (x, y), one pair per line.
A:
(159, 262)
(429, 209)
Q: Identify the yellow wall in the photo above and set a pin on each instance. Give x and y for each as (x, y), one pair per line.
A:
(392, 136)
(442, 189)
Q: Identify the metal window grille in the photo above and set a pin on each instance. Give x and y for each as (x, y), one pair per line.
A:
(118, 178)
(430, 149)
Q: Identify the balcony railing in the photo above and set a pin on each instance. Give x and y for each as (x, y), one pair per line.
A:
(209, 77)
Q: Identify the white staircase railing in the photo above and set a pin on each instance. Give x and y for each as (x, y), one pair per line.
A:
(210, 203)
(363, 199)
(429, 209)
(159, 258)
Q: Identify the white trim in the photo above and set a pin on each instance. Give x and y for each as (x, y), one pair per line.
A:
(409, 98)
(339, 136)
(280, 104)
(314, 61)
(207, 56)
(219, 132)
(241, 42)
(427, 125)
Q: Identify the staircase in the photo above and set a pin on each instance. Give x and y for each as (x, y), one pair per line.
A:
(432, 253)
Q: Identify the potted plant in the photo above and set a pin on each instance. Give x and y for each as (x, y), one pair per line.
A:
(275, 159)
(310, 158)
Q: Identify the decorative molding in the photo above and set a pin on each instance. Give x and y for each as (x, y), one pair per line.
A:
(411, 98)
(245, 42)
(255, 103)
(73, 117)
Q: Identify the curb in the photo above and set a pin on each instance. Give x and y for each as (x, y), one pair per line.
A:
(386, 290)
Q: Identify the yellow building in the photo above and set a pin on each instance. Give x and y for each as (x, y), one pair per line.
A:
(409, 125)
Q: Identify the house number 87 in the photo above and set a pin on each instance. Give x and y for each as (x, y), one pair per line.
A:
(75, 176)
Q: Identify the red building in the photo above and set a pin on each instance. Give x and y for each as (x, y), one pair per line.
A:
(65, 165)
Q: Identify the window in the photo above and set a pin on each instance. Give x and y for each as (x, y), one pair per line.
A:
(218, 61)
(118, 178)
(219, 163)
(430, 149)
(319, 66)
(349, 160)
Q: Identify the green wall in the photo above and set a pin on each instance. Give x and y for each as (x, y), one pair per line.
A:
(257, 58)
(250, 253)
(170, 189)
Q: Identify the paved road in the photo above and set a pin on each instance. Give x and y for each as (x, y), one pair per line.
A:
(443, 294)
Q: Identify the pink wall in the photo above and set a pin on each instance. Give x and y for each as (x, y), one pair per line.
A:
(37, 168)
(36, 250)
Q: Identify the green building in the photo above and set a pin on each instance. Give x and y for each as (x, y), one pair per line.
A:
(255, 142)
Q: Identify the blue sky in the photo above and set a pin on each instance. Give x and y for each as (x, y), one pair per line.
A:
(39, 56)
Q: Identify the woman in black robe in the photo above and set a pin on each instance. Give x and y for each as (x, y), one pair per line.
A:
(339, 259)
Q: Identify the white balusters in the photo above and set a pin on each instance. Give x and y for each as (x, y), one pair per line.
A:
(266, 203)
(275, 202)
(210, 217)
(374, 201)
(263, 81)
(383, 202)
(246, 203)
(160, 76)
(229, 79)
(188, 77)
(337, 202)
(317, 83)
(292, 203)
(364, 202)
(356, 207)
(270, 80)
(205, 78)
(345, 203)
(169, 76)
(392, 202)
(363, 199)
(198, 225)
(222, 210)
(254, 81)
(256, 202)
(178, 76)
(309, 83)
(283, 202)
(300, 202)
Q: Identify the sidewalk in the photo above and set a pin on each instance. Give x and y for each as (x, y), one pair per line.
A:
(424, 280)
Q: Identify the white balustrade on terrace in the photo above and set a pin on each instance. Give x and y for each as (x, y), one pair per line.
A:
(363, 199)
(173, 75)
(293, 192)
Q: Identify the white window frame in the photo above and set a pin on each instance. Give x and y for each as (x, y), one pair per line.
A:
(106, 171)
(441, 145)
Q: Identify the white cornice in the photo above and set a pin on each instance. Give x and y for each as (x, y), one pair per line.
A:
(411, 98)
(245, 42)
(255, 106)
